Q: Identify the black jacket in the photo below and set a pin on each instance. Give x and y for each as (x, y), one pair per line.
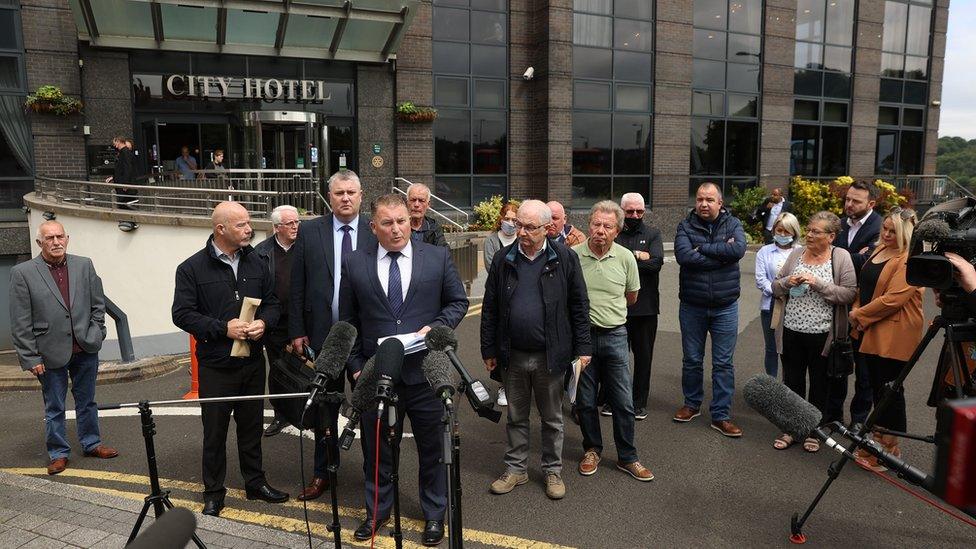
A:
(566, 302)
(208, 296)
(432, 233)
(867, 236)
(709, 275)
(761, 215)
(125, 169)
(645, 239)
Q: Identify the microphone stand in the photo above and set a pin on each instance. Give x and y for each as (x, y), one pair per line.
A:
(332, 466)
(390, 402)
(452, 464)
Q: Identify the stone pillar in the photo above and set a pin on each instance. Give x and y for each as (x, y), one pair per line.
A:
(415, 83)
(107, 92)
(867, 84)
(776, 126)
(375, 120)
(939, 28)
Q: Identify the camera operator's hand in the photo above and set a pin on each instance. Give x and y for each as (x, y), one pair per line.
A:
(965, 272)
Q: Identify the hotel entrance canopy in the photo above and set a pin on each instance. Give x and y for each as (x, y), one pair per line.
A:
(363, 30)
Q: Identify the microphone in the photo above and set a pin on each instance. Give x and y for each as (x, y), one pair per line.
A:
(389, 363)
(362, 397)
(443, 338)
(931, 230)
(174, 528)
(437, 370)
(332, 358)
(782, 407)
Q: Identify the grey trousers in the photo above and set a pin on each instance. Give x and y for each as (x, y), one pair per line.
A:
(527, 373)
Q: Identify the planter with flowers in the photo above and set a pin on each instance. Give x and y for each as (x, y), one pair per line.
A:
(408, 112)
(50, 99)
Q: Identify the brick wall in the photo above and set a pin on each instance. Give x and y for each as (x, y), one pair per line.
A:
(867, 82)
(935, 88)
(777, 93)
(414, 82)
(374, 100)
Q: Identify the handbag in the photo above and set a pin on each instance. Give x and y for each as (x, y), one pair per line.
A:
(840, 358)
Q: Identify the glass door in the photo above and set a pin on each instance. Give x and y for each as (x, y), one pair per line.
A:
(150, 150)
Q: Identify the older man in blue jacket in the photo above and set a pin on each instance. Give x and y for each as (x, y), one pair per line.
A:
(708, 246)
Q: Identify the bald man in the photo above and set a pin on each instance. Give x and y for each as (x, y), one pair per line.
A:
(210, 288)
(561, 231)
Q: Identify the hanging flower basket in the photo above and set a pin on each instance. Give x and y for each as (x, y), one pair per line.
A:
(408, 112)
(50, 99)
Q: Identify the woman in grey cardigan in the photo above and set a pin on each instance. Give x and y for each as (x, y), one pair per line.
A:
(813, 289)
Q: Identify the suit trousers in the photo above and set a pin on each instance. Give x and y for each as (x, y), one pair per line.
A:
(248, 379)
(641, 333)
(426, 414)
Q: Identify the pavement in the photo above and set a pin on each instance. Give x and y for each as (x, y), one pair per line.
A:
(709, 490)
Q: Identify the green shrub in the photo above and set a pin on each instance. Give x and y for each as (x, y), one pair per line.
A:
(487, 213)
(743, 205)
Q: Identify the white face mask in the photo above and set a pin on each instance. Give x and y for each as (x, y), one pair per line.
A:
(508, 228)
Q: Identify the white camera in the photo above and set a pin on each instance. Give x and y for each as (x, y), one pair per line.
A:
(529, 73)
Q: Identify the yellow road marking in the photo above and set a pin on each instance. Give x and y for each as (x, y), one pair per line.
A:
(271, 521)
(183, 360)
(473, 310)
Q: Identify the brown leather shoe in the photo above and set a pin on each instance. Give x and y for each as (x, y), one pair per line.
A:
(591, 460)
(636, 470)
(102, 452)
(57, 465)
(314, 490)
(727, 428)
(685, 414)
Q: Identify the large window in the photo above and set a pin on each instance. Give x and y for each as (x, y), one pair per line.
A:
(726, 79)
(904, 87)
(613, 71)
(16, 143)
(822, 86)
(470, 65)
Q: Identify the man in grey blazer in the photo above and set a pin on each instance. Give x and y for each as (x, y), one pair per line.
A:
(57, 317)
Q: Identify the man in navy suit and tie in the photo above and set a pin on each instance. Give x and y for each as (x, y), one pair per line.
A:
(401, 287)
(315, 276)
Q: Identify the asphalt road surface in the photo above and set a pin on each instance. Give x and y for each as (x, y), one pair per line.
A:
(709, 490)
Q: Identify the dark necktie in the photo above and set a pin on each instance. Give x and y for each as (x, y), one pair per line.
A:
(394, 290)
(346, 243)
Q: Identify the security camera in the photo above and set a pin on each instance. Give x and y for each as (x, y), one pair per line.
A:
(528, 74)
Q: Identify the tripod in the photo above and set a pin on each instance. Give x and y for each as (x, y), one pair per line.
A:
(452, 462)
(390, 401)
(957, 330)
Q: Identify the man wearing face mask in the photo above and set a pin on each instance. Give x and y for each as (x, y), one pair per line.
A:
(648, 249)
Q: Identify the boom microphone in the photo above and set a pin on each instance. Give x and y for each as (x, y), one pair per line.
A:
(437, 370)
(443, 338)
(332, 358)
(174, 528)
(931, 230)
(389, 363)
(362, 397)
(782, 407)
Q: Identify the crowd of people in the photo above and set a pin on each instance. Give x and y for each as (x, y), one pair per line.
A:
(562, 312)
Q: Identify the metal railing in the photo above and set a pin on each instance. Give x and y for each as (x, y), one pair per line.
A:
(197, 197)
(458, 211)
(464, 252)
(925, 191)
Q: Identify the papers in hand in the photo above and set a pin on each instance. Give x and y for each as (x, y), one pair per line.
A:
(576, 369)
(412, 343)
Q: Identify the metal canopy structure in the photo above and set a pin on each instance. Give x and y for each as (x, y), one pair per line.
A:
(363, 31)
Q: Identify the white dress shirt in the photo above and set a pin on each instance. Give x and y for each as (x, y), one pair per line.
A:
(232, 260)
(855, 226)
(405, 262)
(774, 213)
(337, 234)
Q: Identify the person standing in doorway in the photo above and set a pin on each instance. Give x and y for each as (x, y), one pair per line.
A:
(186, 164)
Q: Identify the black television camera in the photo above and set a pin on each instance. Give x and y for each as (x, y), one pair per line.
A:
(948, 227)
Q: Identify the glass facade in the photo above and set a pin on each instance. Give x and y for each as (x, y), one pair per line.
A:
(725, 105)
(822, 88)
(16, 143)
(613, 74)
(904, 87)
(470, 66)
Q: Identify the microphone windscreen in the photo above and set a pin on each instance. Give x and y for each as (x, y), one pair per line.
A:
(437, 369)
(335, 351)
(389, 359)
(782, 407)
(365, 391)
(932, 230)
(440, 338)
(174, 528)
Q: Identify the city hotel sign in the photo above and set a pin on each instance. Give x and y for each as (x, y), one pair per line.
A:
(268, 89)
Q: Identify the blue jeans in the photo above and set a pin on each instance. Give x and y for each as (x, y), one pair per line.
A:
(722, 323)
(83, 368)
(609, 369)
(769, 335)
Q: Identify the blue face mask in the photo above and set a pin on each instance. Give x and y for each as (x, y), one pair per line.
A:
(783, 240)
(508, 228)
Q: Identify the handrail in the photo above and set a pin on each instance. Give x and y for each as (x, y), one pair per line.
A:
(126, 351)
(432, 210)
(434, 196)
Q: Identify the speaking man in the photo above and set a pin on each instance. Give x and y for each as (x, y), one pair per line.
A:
(210, 288)
(423, 228)
(401, 287)
(57, 323)
(315, 275)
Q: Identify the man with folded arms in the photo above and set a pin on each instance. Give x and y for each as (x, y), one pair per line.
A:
(534, 321)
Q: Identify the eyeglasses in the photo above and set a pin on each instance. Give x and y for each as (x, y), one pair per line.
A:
(906, 214)
(634, 212)
(527, 228)
(817, 232)
(289, 224)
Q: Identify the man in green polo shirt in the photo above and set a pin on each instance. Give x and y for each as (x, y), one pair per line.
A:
(612, 282)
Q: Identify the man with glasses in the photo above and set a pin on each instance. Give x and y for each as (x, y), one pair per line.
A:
(534, 322)
(612, 282)
(276, 251)
(423, 228)
(320, 248)
(708, 246)
(648, 250)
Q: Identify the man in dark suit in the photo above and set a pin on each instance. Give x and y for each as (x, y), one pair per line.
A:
(315, 276)
(859, 230)
(769, 210)
(402, 287)
(57, 324)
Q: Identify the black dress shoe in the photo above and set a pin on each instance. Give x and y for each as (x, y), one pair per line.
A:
(365, 530)
(267, 493)
(433, 532)
(212, 507)
(275, 427)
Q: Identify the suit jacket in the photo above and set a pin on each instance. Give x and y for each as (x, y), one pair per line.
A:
(867, 235)
(313, 277)
(762, 213)
(435, 297)
(893, 320)
(41, 324)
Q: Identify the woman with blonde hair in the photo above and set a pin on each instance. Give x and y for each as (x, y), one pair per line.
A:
(887, 319)
(769, 260)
